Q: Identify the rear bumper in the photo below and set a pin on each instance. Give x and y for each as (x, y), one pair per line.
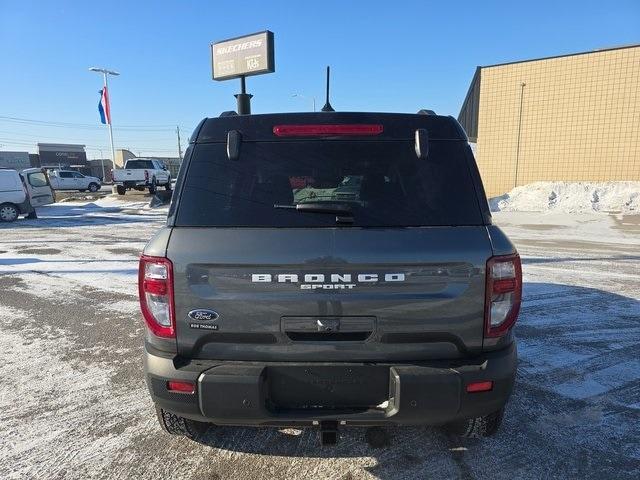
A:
(131, 183)
(277, 394)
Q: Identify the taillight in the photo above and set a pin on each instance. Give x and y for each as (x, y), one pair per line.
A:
(155, 287)
(503, 294)
(326, 130)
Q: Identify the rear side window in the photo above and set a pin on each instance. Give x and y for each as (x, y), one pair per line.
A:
(383, 183)
(9, 181)
(139, 164)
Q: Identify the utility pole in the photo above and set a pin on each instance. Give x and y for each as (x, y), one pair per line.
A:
(179, 146)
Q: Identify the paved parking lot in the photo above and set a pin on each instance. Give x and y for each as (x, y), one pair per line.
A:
(74, 403)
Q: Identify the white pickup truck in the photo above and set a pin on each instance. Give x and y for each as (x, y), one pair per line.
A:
(141, 173)
(72, 180)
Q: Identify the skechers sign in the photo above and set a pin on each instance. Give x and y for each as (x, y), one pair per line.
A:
(333, 281)
(243, 56)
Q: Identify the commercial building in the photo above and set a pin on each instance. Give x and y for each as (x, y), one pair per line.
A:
(14, 160)
(98, 165)
(566, 118)
(62, 155)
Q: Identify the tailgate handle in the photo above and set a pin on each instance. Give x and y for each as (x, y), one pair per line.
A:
(333, 329)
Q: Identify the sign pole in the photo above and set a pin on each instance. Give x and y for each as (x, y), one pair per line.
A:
(243, 99)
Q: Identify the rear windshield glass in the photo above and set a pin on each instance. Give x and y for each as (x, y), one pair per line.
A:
(139, 164)
(37, 179)
(381, 184)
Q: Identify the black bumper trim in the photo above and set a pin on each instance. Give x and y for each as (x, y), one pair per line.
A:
(420, 393)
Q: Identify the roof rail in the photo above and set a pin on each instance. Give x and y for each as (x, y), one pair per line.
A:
(426, 112)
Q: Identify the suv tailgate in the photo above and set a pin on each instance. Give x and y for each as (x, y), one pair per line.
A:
(426, 302)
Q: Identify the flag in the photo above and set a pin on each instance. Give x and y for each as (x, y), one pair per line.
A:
(103, 107)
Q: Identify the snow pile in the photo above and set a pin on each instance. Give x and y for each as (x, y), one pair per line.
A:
(571, 197)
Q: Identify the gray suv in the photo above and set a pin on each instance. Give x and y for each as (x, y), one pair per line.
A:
(330, 269)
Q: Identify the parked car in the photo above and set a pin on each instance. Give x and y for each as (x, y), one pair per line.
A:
(21, 192)
(380, 293)
(141, 173)
(72, 180)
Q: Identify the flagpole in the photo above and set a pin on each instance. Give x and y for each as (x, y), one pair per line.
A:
(113, 151)
(105, 74)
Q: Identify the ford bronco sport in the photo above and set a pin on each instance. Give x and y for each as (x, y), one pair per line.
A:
(330, 269)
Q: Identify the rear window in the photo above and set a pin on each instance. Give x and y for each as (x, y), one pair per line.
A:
(382, 183)
(139, 164)
(37, 179)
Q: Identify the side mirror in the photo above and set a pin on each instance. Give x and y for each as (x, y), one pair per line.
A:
(422, 143)
(234, 140)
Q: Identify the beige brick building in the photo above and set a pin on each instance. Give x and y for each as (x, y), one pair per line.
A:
(567, 118)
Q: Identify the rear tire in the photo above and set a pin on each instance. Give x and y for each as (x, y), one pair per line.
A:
(177, 425)
(8, 212)
(478, 427)
(94, 187)
(121, 190)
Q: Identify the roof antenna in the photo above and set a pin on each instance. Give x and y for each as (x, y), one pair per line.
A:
(327, 106)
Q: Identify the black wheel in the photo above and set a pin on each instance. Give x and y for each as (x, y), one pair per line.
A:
(477, 427)
(121, 190)
(153, 187)
(8, 212)
(167, 186)
(93, 187)
(177, 425)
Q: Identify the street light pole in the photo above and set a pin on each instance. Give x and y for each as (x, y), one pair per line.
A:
(105, 74)
(299, 95)
(104, 177)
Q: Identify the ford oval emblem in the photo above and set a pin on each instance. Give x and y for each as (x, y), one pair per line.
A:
(203, 315)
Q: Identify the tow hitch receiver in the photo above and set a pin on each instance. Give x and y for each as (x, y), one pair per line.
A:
(328, 433)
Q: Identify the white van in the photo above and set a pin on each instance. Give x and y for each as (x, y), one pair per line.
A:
(21, 192)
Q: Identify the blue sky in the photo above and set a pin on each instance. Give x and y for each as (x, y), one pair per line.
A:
(385, 56)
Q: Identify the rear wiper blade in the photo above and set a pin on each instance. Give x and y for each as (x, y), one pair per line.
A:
(319, 207)
(343, 212)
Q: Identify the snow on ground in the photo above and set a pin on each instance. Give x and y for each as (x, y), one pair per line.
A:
(571, 197)
(76, 405)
